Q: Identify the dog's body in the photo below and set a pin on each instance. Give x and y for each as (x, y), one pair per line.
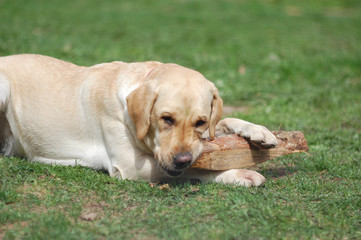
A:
(135, 120)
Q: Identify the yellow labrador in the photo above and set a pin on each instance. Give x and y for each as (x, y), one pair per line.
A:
(135, 120)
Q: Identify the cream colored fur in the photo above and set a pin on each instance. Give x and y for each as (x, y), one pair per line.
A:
(130, 119)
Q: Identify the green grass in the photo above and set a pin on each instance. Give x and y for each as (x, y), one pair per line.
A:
(301, 71)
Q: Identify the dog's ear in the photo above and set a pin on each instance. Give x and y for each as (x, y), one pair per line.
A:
(140, 103)
(216, 114)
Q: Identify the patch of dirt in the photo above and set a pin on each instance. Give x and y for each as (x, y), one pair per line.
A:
(88, 215)
(28, 188)
(229, 110)
(11, 226)
(293, 11)
(92, 211)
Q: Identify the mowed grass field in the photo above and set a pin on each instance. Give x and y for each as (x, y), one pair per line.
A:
(288, 65)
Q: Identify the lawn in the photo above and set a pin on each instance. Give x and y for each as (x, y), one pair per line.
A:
(289, 65)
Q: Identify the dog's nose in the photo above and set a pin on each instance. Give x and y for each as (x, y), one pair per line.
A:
(182, 160)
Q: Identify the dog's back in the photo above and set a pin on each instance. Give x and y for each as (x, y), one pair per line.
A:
(20, 73)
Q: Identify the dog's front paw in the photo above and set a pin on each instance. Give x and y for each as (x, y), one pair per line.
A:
(241, 177)
(259, 135)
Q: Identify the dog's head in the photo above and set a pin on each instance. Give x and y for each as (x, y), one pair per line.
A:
(171, 110)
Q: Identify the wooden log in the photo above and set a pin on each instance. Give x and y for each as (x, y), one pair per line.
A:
(234, 152)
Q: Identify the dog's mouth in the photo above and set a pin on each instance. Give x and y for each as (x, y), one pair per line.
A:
(172, 173)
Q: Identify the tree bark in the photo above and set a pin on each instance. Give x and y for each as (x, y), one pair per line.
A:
(234, 152)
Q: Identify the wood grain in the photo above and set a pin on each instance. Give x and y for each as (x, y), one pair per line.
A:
(233, 152)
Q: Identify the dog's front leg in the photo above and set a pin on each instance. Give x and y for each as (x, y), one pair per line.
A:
(125, 159)
(257, 134)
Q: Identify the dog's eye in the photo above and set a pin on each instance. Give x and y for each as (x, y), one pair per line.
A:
(168, 120)
(200, 123)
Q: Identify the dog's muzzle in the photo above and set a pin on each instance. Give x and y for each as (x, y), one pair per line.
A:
(181, 161)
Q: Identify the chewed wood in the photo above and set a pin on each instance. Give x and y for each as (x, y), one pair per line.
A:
(232, 152)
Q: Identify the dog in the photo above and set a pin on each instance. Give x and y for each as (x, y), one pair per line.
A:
(142, 120)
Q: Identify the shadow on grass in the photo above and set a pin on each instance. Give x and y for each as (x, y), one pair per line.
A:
(278, 172)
